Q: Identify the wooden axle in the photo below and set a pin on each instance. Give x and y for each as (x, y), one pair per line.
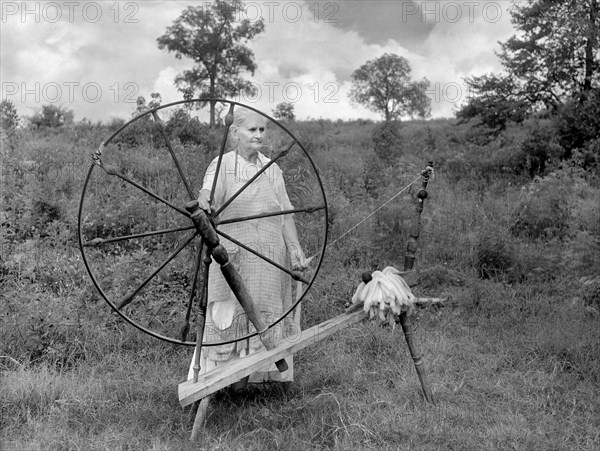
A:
(219, 253)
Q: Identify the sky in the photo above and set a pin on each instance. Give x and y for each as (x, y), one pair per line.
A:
(96, 58)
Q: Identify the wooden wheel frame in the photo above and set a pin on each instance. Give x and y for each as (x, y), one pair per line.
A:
(198, 223)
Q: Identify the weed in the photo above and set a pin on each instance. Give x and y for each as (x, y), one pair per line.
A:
(512, 361)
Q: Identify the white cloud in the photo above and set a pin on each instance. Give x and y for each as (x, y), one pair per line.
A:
(164, 83)
(308, 60)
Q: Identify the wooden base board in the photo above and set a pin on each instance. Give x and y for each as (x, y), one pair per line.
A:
(224, 376)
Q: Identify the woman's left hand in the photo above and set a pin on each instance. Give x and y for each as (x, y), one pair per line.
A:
(297, 258)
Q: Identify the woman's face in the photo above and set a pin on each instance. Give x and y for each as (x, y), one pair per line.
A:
(250, 133)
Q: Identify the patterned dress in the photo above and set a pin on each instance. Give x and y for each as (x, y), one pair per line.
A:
(269, 287)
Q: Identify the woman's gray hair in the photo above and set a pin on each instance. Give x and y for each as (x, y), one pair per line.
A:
(241, 114)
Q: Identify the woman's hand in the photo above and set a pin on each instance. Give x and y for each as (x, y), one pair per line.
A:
(204, 200)
(290, 235)
(297, 257)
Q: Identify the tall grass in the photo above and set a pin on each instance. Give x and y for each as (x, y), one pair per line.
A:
(512, 356)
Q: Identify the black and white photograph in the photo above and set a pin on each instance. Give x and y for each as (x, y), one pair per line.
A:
(300, 225)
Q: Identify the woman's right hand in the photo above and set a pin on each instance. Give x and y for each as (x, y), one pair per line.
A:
(204, 200)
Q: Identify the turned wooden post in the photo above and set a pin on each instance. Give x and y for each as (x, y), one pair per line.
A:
(412, 243)
(202, 290)
(409, 260)
(416, 355)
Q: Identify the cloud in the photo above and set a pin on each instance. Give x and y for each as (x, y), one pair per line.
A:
(309, 63)
(164, 83)
(306, 54)
(379, 21)
(456, 49)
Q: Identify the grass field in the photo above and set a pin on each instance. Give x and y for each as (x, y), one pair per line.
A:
(512, 356)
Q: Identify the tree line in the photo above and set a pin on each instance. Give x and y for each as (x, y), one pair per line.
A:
(550, 71)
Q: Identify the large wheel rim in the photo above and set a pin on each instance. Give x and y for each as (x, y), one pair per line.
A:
(83, 243)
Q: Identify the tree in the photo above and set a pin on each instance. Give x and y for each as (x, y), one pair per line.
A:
(578, 124)
(141, 106)
(52, 116)
(284, 111)
(187, 129)
(387, 142)
(8, 115)
(552, 66)
(383, 85)
(555, 57)
(212, 37)
(143, 131)
(494, 102)
(552, 60)
(9, 121)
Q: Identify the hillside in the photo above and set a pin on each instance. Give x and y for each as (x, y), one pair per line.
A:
(512, 355)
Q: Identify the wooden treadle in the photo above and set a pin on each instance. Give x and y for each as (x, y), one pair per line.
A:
(222, 377)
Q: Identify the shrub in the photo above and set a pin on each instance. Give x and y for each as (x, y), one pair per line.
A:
(591, 293)
(52, 116)
(387, 142)
(494, 255)
(588, 158)
(45, 213)
(9, 118)
(284, 111)
(374, 177)
(539, 147)
(139, 133)
(544, 210)
(191, 131)
(115, 123)
(577, 123)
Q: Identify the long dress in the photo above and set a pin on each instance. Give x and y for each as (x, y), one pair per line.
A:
(269, 287)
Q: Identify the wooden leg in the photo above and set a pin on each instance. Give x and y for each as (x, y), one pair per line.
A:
(416, 356)
(202, 291)
(240, 385)
(200, 419)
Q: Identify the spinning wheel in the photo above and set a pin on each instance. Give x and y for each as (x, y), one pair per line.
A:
(145, 243)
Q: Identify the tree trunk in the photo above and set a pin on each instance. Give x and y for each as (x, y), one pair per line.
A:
(212, 103)
(589, 49)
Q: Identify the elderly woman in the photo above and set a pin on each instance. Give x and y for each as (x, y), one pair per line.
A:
(274, 237)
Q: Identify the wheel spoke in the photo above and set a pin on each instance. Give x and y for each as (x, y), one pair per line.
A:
(161, 129)
(295, 274)
(111, 170)
(228, 122)
(125, 300)
(99, 241)
(257, 175)
(275, 213)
